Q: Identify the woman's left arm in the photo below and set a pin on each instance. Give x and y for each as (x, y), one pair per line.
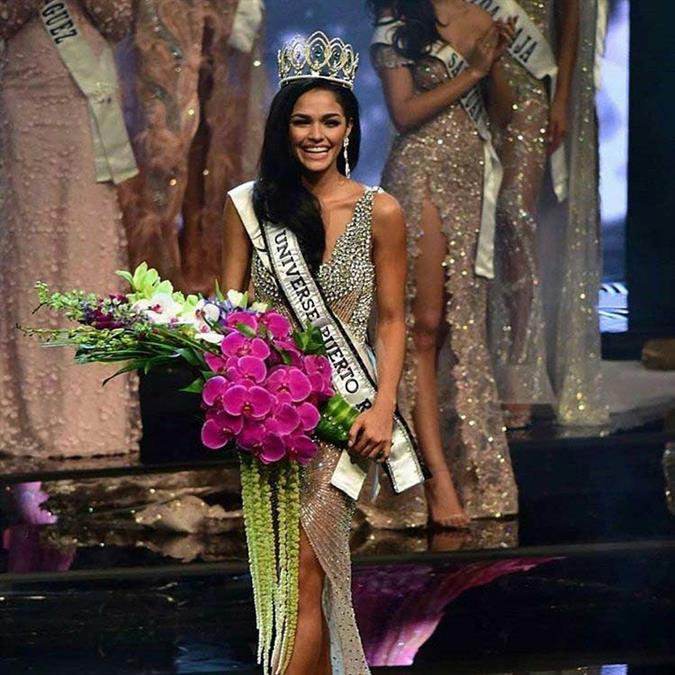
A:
(500, 96)
(567, 25)
(371, 433)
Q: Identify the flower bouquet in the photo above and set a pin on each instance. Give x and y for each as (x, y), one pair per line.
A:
(266, 392)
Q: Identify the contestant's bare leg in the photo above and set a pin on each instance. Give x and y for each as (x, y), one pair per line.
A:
(311, 651)
(429, 330)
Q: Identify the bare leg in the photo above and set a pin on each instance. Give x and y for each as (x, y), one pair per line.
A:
(429, 328)
(311, 651)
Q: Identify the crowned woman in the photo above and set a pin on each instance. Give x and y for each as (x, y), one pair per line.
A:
(320, 248)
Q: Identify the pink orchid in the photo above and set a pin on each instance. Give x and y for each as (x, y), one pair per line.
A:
(289, 384)
(320, 372)
(285, 419)
(257, 439)
(278, 325)
(300, 448)
(213, 390)
(254, 402)
(247, 318)
(246, 369)
(216, 363)
(236, 344)
(215, 436)
(220, 428)
(309, 416)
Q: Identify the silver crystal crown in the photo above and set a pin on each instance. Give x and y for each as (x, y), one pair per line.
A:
(318, 56)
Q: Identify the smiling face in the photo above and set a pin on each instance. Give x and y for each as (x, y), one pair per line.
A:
(318, 127)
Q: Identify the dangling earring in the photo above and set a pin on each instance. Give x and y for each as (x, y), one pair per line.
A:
(345, 149)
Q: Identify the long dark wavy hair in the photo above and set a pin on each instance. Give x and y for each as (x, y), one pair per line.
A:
(279, 195)
(419, 31)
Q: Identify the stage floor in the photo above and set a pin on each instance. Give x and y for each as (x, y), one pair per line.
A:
(582, 581)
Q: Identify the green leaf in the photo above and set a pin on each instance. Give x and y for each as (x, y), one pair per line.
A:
(195, 387)
(219, 292)
(127, 276)
(246, 330)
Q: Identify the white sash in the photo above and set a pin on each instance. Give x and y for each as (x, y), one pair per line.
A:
(97, 79)
(531, 50)
(474, 106)
(353, 372)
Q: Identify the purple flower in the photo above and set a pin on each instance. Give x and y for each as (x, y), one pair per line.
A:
(300, 448)
(247, 318)
(236, 344)
(288, 384)
(249, 368)
(216, 363)
(214, 389)
(309, 416)
(254, 402)
(220, 428)
(284, 419)
(257, 439)
(278, 325)
(320, 374)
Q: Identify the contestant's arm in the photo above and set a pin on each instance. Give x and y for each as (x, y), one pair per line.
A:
(500, 96)
(389, 254)
(371, 433)
(499, 93)
(409, 108)
(567, 24)
(236, 251)
(14, 15)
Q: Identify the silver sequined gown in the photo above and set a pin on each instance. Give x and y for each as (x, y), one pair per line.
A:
(442, 160)
(348, 282)
(549, 351)
(517, 329)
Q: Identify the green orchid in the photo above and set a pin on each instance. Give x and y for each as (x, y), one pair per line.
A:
(145, 283)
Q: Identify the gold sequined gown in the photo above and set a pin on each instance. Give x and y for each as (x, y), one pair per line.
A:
(442, 160)
(58, 225)
(517, 327)
(348, 281)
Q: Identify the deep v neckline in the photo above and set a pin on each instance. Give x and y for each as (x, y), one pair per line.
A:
(348, 226)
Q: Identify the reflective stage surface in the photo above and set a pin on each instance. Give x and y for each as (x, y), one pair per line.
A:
(137, 565)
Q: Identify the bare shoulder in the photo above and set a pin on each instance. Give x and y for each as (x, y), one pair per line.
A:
(388, 219)
(386, 208)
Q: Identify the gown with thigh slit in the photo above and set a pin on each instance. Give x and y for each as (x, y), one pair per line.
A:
(441, 162)
(347, 280)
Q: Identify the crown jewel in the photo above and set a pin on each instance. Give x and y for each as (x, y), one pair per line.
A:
(318, 56)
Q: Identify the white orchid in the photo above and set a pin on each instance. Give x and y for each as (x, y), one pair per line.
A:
(161, 308)
(237, 299)
(259, 307)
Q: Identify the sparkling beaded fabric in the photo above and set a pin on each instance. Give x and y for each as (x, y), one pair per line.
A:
(442, 161)
(60, 226)
(347, 280)
(543, 324)
(517, 331)
(570, 236)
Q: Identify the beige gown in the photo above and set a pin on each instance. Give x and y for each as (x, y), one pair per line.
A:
(59, 226)
(347, 280)
(442, 160)
(517, 324)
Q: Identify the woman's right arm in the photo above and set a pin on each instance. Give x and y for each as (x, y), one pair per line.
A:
(236, 251)
(409, 108)
(14, 15)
